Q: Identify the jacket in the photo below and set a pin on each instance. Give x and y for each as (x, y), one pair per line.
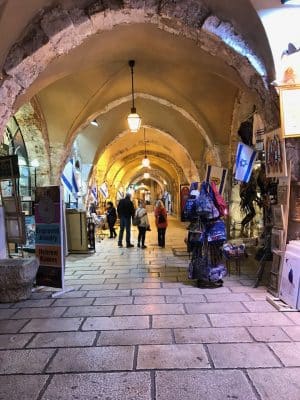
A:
(125, 208)
(157, 212)
(142, 214)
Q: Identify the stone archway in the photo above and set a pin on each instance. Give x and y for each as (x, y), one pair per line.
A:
(57, 31)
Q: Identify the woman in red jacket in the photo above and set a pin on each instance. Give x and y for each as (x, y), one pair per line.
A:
(161, 222)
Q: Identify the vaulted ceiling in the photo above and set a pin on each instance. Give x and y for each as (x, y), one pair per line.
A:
(186, 86)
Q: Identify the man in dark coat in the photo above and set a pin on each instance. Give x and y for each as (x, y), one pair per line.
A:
(125, 212)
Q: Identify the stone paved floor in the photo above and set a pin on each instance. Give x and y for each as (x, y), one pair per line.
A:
(134, 328)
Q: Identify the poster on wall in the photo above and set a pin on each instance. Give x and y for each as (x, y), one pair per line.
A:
(218, 175)
(184, 195)
(49, 236)
(289, 110)
(275, 156)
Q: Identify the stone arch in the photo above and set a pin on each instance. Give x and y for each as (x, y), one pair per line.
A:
(34, 130)
(58, 30)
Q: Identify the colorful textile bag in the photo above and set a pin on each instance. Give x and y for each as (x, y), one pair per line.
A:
(219, 200)
(216, 231)
(205, 202)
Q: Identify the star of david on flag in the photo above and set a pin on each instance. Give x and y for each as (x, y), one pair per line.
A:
(245, 158)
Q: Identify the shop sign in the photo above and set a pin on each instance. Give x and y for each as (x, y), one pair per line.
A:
(49, 236)
(289, 110)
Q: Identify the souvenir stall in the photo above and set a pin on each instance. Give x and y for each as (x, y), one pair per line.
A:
(205, 209)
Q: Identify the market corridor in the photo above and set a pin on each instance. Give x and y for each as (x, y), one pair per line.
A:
(135, 328)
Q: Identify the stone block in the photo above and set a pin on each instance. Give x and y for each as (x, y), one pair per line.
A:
(16, 387)
(16, 278)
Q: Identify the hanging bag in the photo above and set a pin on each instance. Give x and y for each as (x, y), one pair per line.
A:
(216, 231)
(219, 200)
(136, 220)
(205, 202)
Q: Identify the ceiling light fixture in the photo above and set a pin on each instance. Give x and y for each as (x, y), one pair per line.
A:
(94, 122)
(146, 175)
(145, 161)
(134, 120)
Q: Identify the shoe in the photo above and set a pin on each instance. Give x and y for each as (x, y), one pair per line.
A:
(144, 247)
(130, 245)
(110, 237)
(120, 245)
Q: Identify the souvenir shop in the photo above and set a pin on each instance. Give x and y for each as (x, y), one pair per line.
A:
(259, 223)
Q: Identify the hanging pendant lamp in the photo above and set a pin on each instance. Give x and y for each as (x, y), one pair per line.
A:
(133, 119)
(145, 161)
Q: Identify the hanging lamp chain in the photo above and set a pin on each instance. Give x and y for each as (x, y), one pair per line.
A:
(131, 64)
(145, 142)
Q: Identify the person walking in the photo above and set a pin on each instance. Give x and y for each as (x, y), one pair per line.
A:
(111, 215)
(161, 222)
(125, 212)
(143, 226)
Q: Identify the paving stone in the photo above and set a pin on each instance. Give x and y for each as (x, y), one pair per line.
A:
(73, 302)
(155, 292)
(293, 332)
(149, 300)
(294, 316)
(276, 384)
(78, 281)
(11, 326)
(212, 335)
(289, 353)
(7, 313)
(14, 341)
(259, 306)
(181, 356)
(124, 280)
(242, 355)
(63, 339)
(204, 384)
(53, 325)
(268, 334)
(113, 300)
(141, 285)
(5, 305)
(93, 359)
(115, 323)
(246, 289)
(180, 321)
(41, 312)
(74, 293)
(195, 290)
(258, 296)
(104, 286)
(149, 309)
(114, 386)
(16, 387)
(192, 298)
(34, 303)
(234, 307)
(250, 319)
(134, 337)
(173, 285)
(89, 311)
(108, 293)
(217, 298)
(24, 361)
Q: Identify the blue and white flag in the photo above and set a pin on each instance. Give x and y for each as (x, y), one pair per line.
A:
(68, 178)
(245, 158)
(218, 175)
(104, 190)
(94, 194)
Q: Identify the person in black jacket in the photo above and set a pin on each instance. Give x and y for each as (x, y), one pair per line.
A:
(125, 212)
(111, 215)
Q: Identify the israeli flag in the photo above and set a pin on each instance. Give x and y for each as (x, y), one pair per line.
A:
(245, 158)
(94, 193)
(104, 190)
(68, 178)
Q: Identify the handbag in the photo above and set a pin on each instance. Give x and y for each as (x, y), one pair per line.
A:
(136, 221)
(205, 205)
(216, 231)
